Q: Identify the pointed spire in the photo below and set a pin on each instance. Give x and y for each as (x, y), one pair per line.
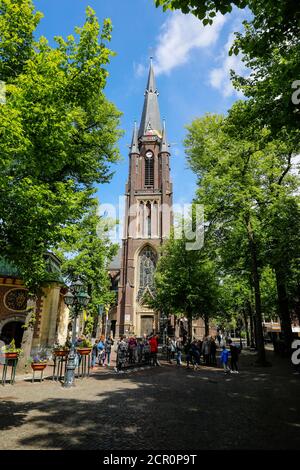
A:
(150, 122)
(164, 141)
(134, 148)
(151, 86)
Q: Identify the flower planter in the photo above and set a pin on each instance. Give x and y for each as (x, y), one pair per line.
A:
(11, 355)
(38, 366)
(61, 352)
(84, 351)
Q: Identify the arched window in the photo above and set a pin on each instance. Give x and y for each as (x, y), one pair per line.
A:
(149, 169)
(148, 218)
(147, 264)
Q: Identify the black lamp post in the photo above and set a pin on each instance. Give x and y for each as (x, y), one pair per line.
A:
(76, 298)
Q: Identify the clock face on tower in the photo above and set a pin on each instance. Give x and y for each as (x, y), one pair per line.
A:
(149, 154)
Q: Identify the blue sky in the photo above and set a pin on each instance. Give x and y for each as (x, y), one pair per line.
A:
(191, 66)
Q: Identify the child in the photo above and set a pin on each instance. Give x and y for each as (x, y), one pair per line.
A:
(224, 359)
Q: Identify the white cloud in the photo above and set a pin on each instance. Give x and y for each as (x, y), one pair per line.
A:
(219, 77)
(180, 34)
(139, 70)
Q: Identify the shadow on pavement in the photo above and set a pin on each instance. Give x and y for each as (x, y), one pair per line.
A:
(163, 408)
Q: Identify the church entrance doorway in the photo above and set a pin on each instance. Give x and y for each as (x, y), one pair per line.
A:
(146, 324)
(12, 330)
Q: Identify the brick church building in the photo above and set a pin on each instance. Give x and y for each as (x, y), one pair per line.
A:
(148, 221)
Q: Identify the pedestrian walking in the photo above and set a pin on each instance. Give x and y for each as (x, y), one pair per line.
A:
(206, 350)
(195, 354)
(94, 354)
(213, 350)
(146, 350)
(101, 351)
(173, 349)
(139, 350)
(234, 353)
(132, 344)
(153, 341)
(224, 359)
(121, 354)
(179, 348)
(107, 347)
(188, 353)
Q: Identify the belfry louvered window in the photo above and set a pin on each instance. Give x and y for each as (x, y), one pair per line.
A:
(149, 169)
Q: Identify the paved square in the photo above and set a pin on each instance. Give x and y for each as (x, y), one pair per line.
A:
(166, 407)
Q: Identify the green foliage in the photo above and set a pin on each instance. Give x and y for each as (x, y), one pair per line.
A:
(245, 162)
(89, 325)
(38, 359)
(85, 343)
(248, 187)
(270, 47)
(11, 348)
(32, 319)
(61, 347)
(18, 21)
(58, 133)
(205, 10)
(185, 281)
(86, 252)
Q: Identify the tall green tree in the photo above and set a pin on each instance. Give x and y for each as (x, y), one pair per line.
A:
(270, 48)
(58, 132)
(18, 22)
(242, 178)
(86, 252)
(279, 206)
(185, 282)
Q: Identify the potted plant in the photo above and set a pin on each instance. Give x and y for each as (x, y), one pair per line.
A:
(10, 351)
(59, 350)
(38, 362)
(84, 347)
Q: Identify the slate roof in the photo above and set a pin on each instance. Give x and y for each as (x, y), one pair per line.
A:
(151, 116)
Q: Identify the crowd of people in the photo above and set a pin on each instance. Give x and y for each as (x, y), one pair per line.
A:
(137, 350)
(130, 351)
(204, 351)
(143, 350)
(101, 351)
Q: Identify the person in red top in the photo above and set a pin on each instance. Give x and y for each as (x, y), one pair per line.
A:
(153, 341)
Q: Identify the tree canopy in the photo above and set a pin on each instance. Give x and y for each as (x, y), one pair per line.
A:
(247, 185)
(58, 132)
(86, 253)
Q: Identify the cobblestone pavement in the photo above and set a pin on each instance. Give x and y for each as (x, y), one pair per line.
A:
(166, 407)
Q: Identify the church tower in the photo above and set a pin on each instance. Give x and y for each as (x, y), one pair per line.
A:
(148, 217)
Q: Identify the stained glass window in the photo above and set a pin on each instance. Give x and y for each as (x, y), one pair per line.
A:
(147, 264)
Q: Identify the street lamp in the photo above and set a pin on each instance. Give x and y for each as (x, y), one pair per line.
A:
(76, 298)
(106, 321)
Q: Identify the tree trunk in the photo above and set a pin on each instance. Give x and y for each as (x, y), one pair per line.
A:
(190, 326)
(27, 337)
(206, 325)
(252, 330)
(283, 304)
(261, 353)
(246, 326)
